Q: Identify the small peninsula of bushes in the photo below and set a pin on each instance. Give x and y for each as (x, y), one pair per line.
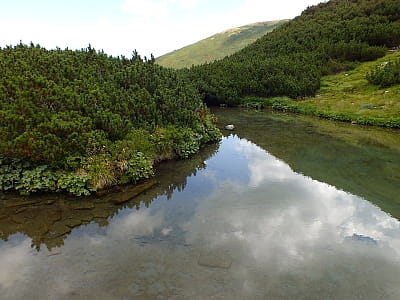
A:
(81, 121)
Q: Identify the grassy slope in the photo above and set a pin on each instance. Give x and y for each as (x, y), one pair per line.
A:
(342, 96)
(217, 46)
(347, 91)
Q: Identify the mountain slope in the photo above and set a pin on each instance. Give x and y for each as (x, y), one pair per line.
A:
(290, 61)
(217, 46)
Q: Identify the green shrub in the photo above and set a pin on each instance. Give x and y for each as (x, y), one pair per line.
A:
(140, 140)
(185, 141)
(386, 75)
(84, 112)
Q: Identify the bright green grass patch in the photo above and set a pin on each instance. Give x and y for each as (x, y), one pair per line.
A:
(350, 93)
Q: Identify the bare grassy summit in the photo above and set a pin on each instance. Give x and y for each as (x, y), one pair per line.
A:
(217, 46)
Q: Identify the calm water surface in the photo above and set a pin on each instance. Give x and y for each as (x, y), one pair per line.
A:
(286, 207)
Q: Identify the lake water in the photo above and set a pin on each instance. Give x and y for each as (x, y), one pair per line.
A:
(285, 207)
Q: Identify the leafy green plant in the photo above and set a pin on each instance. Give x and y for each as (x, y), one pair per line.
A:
(10, 174)
(75, 184)
(40, 178)
(139, 167)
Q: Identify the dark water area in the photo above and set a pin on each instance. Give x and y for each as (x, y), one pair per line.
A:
(285, 207)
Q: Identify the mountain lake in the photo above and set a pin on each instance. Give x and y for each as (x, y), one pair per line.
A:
(284, 207)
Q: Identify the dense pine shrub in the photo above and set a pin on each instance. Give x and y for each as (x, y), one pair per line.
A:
(82, 120)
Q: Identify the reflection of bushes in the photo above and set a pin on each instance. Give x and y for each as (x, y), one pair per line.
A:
(48, 219)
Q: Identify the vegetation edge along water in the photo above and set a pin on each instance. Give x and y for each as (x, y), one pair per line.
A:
(349, 96)
(81, 121)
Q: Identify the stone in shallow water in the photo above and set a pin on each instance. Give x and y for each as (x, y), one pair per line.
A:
(133, 192)
(54, 252)
(72, 222)
(81, 205)
(362, 239)
(215, 259)
(364, 106)
(59, 229)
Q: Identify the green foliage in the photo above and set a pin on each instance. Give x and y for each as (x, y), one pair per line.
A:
(75, 184)
(10, 174)
(37, 179)
(327, 38)
(139, 167)
(185, 141)
(100, 170)
(354, 51)
(82, 112)
(140, 140)
(19, 176)
(386, 75)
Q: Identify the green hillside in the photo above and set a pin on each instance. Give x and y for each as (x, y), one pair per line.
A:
(291, 61)
(217, 46)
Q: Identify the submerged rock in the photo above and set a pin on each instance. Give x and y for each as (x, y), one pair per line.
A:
(215, 259)
(135, 191)
(81, 205)
(369, 105)
(10, 204)
(362, 239)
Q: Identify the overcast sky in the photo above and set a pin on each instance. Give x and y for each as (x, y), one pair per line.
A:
(120, 26)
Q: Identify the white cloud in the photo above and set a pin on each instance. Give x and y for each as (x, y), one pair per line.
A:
(157, 8)
(188, 3)
(146, 7)
(261, 10)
